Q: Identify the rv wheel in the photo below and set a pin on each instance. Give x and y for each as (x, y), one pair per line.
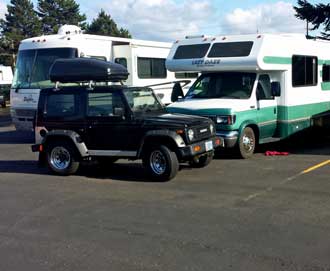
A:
(247, 143)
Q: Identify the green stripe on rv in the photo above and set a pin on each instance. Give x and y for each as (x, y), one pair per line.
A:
(325, 85)
(277, 60)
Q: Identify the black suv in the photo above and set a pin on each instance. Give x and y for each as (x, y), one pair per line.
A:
(93, 122)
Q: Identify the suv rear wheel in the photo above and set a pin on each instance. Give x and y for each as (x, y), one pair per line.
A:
(161, 163)
(61, 158)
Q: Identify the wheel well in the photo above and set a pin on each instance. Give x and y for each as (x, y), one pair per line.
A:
(56, 138)
(255, 129)
(159, 140)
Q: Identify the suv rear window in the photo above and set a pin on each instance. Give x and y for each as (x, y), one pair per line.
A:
(61, 105)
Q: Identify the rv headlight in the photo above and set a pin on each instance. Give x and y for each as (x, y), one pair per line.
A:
(212, 128)
(191, 134)
(226, 120)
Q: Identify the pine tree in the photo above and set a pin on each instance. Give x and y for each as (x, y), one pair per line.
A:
(317, 15)
(105, 25)
(20, 22)
(54, 13)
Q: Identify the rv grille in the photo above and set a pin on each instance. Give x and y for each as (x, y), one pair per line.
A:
(25, 113)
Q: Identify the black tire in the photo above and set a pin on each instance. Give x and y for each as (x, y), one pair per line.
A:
(201, 162)
(169, 166)
(61, 158)
(247, 143)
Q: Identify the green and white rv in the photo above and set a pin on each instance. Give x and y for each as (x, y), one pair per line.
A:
(256, 88)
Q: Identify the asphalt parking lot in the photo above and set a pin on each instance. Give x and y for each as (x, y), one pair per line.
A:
(265, 213)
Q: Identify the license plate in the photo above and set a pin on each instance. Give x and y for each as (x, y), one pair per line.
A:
(209, 145)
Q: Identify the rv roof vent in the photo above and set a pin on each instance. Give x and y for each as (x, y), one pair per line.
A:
(86, 70)
(68, 29)
(195, 37)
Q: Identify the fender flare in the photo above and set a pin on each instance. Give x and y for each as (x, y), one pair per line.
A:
(72, 136)
(173, 136)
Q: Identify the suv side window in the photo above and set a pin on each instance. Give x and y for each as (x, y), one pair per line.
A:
(61, 105)
(264, 91)
(103, 104)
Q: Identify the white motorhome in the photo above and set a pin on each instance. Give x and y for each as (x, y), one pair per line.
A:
(256, 88)
(145, 61)
(6, 78)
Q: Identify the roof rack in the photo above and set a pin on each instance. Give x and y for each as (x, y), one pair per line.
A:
(86, 70)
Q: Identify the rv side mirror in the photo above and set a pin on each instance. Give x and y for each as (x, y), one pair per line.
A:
(276, 89)
(177, 92)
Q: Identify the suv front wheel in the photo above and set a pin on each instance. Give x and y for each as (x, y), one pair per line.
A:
(61, 158)
(161, 163)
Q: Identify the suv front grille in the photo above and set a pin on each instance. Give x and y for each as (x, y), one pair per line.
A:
(202, 132)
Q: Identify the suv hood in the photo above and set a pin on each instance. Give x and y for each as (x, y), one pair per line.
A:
(175, 120)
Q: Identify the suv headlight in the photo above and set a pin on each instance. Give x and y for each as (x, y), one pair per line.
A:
(227, 120)
(212, 128)
(191, 134)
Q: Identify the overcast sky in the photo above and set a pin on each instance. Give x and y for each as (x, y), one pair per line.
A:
(167, 20)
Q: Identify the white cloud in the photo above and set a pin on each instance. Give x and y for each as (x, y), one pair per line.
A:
(266, 18)
(3, 10)
(159, 19)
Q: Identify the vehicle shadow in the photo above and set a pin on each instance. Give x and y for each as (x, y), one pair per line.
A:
(126, 172)
(314, 141)
(16, 137)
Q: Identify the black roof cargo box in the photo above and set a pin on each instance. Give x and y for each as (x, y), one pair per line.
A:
(85, 70)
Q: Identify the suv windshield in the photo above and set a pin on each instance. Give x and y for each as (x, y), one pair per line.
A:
(142, 100)
(32, 68)
(228, 85)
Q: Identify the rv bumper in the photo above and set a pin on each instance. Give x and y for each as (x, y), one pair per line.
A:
(229, 138)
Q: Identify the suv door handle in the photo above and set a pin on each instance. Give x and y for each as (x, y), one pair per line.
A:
(252, 106)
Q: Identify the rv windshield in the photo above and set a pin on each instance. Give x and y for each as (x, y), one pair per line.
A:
(142, 100)
(32, 68)
(227, 85)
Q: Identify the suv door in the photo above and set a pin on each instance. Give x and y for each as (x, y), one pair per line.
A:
(108, 127)
(267, 107)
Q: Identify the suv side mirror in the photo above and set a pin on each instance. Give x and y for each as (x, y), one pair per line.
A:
(119, 112)
(276, 89)
(177, 92)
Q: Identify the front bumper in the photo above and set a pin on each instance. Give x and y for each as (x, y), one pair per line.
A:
(229, 138)
(200, 148)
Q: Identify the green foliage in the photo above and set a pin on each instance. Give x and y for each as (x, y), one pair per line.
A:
(54, 13)
(21, 22)
(317, 15)
(105, 25)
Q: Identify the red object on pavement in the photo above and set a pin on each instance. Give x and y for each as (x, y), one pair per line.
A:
(273, 153)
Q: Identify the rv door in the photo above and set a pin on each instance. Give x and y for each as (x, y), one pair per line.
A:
(266, 107)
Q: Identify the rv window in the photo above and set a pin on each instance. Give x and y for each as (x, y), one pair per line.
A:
(121, 61)
(304, 71)
(61, 105)
(326, 73)
(264, 90)
(191, 51)
(231, 49)
(98, 57)
(182, 75)
(151, 68)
